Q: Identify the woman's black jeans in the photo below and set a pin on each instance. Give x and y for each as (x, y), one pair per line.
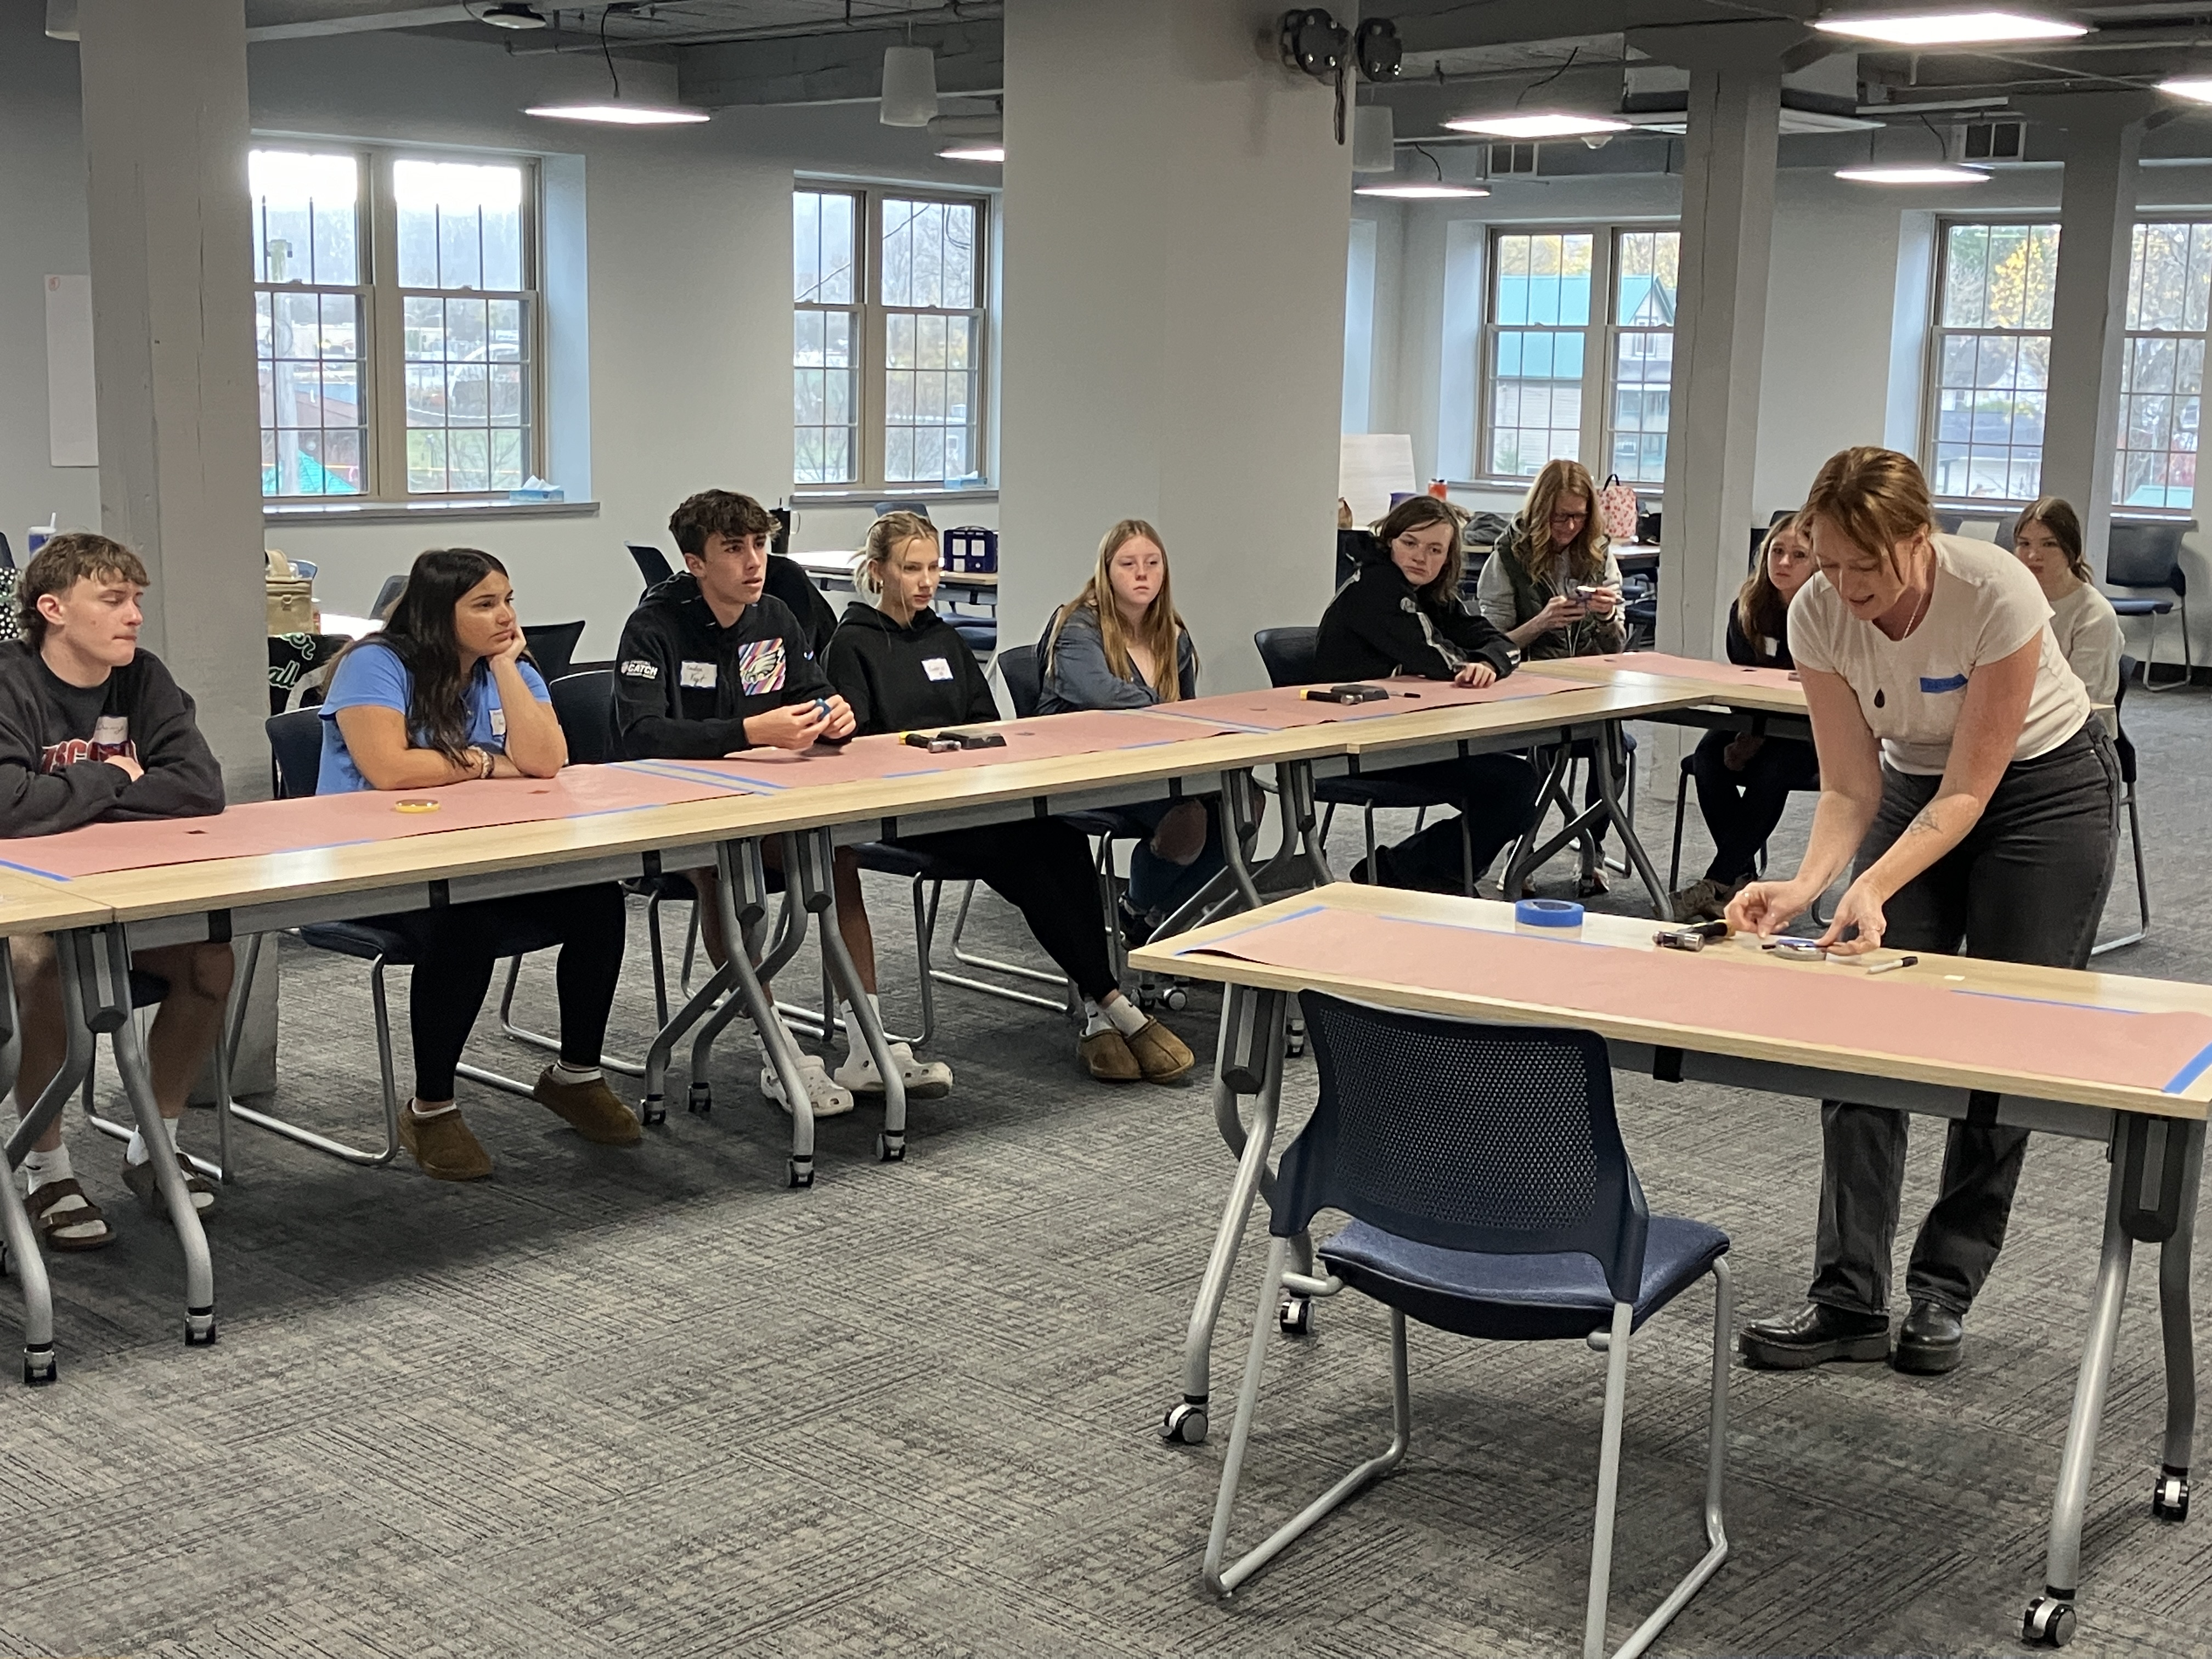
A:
(1740, 808)
(2026, 885)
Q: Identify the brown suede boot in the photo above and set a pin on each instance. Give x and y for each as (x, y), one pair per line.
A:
(1107, 1054)
(1162, 1055)
(443, 1145)
(591, 1109)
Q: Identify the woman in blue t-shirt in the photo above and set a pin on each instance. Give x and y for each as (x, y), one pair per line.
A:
(445, 695)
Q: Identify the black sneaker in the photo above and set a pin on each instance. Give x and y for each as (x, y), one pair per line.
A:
(1136, 930)
(1813, 1335)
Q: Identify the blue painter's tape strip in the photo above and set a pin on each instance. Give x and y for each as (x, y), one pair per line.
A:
(2188, 1073)
(1547, 913)
(31, 870)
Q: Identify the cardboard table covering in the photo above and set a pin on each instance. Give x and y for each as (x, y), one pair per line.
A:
(1284, 708)
(1695, 668)
(874, 759)
(1912, 1019)
(260, 828)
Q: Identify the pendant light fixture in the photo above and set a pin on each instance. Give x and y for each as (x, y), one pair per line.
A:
(1419, 190)
(618, 111)
(910, 97)
(1374, 139)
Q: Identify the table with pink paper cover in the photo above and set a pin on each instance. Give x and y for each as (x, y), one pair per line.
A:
(2124, 1061)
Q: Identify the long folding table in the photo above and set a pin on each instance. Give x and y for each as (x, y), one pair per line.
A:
(272, 865)
(2124, 1061)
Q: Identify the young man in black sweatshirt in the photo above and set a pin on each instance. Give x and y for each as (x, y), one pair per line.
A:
(710, 666)
(93, 730)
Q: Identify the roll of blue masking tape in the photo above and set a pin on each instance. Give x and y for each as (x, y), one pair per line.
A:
(1547, 913)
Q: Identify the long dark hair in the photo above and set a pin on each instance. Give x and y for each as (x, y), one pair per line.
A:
(2064, 523)
(420, 633)
(1760, 606)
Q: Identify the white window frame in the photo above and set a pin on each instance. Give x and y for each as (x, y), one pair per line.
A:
(870, 336)
(1601, 339)
(1938, 332)
(382, 363)
(2200, 226)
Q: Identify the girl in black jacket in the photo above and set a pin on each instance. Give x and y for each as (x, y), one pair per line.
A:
(904, 668)
(1400, 614)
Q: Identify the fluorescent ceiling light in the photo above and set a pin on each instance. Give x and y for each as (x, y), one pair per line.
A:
(1408, 190)
(1950, 29)
(975, 152)
(2189, 86)
(1902, 174)
(511, 14)
(1551, 123)
(620, 115)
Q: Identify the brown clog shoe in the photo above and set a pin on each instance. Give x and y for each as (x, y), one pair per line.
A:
(1107, 1054)
(444, 1147)
(1161, 1055)
(591, 1109)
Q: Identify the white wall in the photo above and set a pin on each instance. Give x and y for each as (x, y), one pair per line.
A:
(42, 234)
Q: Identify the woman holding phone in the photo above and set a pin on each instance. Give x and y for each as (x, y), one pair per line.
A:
(1963, 779)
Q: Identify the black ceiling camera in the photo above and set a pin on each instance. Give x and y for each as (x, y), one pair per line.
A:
(1377, 50)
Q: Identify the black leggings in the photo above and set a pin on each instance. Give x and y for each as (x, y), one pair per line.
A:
(1741, 807)
(1042, 867)
(456, 948)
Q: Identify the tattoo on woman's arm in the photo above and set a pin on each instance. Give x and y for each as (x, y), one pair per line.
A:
(1923, 822)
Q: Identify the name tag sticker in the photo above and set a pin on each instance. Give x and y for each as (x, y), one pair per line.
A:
(1949, 683)
(111, 731)
(498, 722)
(936, 668)
(698, 674)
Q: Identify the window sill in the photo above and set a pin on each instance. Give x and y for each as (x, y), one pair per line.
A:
(892, 493)
(329, 513)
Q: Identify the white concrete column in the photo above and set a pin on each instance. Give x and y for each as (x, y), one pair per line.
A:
(2100, 140)
(1177, 212)
(1720, 315)
(165, 132)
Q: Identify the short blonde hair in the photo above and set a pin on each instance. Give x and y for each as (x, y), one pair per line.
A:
(886, 536)
(1874, 498)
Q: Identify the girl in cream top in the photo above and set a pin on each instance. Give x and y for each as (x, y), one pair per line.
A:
(2048, 540)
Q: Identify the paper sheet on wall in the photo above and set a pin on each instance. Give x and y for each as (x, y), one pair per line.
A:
(1370, 465)
(72, 425)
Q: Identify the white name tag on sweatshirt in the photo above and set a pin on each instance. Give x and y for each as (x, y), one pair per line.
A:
(936, 668)
(111, 731)
(698, 674)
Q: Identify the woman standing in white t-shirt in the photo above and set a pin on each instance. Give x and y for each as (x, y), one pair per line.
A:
(1959, 758)
(2048, 540)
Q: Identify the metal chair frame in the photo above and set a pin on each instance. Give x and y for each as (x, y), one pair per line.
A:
(2141, 930)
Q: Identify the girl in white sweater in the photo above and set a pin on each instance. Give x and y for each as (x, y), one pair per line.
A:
(2048, 540)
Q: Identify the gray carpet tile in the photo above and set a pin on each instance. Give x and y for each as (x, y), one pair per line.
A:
(647, 1402)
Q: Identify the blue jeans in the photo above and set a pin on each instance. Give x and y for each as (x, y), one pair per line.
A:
(1156, 887)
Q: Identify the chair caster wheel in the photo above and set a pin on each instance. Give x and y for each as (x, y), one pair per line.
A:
(891, 1148)
(801, 1172)
(2169, 1497)
(652, 1110)
(1184, 1425)
(38, 1368)
(199, 1327)
(2049, 1622)
(1295, 1317)
(1294, 1041)
(701, 1100)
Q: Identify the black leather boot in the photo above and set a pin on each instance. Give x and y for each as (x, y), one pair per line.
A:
(1813, 1335)
(1930, 1341)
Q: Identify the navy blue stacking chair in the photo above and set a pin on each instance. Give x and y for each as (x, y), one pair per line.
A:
(2146, 557)
(1288, 655)
(296, 742)
(1490, 1197)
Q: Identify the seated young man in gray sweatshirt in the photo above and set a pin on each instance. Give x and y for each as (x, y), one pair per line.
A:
(93, 730)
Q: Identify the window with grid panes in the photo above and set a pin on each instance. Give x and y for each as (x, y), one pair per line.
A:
(888, 328)
(2162, 365)
(1579, 350)
(396, 319)
(1991, 384)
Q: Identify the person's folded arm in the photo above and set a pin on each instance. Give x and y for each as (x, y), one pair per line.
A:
(35, 803)
(376, 738)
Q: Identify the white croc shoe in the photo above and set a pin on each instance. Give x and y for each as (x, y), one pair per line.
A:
(925, 1079)
(824, 1097)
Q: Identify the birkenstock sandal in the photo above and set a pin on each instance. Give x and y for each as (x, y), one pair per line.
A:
(55, 1230)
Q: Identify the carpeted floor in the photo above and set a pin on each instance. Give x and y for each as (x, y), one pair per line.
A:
(648, 1402)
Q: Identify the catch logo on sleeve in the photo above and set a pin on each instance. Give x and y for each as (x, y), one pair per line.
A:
(760, 667)
(637, 669)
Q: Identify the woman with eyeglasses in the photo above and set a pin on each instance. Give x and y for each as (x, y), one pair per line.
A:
(1552, 585)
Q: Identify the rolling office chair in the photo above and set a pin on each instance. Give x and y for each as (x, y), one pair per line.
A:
(295, 740)
(2127, 754)
(551, 646)
(653, 564)
(1288, 655)
(2142, 554)
(1492, 1198)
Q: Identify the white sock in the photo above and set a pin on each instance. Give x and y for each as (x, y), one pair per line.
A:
(426, 1112)
(136, 1151)
(1126, 1017)
(570, 1075)
(43, 1167)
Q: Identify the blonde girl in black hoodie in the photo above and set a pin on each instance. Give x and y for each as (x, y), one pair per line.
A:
(901, 667)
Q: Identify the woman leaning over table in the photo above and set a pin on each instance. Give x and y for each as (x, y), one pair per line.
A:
(1957, 756)
(445, 695)
(1744, 780)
